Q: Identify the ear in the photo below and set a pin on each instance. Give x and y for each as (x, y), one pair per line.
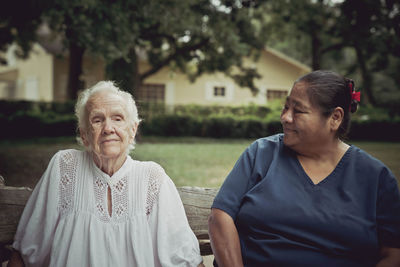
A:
(336, 118)
(84, 138)
(134, 130)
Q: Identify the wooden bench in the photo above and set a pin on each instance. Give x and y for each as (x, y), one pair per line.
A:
(197, 202)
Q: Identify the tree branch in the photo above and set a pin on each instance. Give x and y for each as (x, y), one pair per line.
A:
(333, 47)
(167, 60)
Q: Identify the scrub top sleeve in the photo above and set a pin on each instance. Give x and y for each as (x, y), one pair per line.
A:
(236, 184)
(35, 231)
(388, 210)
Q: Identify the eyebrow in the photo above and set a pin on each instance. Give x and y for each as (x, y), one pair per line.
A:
(296, 103)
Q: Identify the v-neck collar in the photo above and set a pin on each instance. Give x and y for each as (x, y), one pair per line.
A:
(330, 176)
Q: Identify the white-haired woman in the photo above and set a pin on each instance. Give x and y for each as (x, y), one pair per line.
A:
(99, 207)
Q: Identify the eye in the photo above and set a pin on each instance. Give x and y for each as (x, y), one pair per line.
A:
(118, 118)
(96, 120)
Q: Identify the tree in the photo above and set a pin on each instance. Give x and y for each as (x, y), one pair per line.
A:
(194, 36)
(19, 21)
(328, 30)
(94, 26)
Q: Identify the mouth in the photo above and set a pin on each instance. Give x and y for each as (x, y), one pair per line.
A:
(285, 130)
(109, 141)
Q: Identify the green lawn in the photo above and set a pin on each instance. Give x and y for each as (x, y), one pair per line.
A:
(188, 161)
(206, 163)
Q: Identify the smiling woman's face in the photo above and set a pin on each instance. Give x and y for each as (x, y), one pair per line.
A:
(303, 124)
(109, 132)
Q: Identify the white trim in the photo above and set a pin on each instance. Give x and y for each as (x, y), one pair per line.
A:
(261, 97)
(170, 93)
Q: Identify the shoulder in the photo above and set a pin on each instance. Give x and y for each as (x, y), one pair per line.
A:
(265, 149)
(366, 161)
(369, 167)
(68, 155)
(152, 171)
(267, 143)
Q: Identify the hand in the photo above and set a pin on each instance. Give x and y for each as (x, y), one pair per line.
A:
(390, 257)
(16, 260)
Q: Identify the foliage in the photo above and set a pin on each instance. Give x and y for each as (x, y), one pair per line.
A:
(193, 36)
(19, 21)
(356, 38)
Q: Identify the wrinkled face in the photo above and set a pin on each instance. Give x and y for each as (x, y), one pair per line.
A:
(109, 133)
(303, 124)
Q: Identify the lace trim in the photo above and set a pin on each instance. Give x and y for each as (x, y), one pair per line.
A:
(119, 199)
(153, 189)
(67, 182)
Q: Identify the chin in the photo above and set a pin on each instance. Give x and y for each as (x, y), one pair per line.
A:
(287, 141)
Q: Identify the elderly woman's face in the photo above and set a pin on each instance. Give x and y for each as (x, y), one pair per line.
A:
(109, 133)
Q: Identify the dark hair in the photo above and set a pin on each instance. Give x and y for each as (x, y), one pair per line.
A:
(329, 90)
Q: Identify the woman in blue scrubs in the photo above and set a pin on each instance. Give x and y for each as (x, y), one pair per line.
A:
(305, 197)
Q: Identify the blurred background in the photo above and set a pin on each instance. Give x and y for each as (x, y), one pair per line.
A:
(208, 76)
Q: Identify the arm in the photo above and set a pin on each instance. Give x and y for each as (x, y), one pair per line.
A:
(224, 239)
(389, 257)
(16, 260)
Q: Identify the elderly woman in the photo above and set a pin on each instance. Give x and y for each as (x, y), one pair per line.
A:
(304, 197)
(100, 207)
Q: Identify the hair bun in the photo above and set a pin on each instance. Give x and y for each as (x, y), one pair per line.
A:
(353, 106)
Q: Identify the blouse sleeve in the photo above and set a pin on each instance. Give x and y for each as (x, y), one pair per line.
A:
(388, 210)
(35, 231)
(173, 240)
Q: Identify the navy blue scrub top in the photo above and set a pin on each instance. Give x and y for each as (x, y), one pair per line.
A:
(284, 219)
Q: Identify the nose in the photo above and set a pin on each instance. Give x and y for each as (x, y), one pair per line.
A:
(108, 127)
(286, 116)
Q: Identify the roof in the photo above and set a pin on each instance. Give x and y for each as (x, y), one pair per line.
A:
(288, 59)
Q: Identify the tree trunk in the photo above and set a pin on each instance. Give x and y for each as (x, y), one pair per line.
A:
(75, 70)
(315, 51)
(367, 79)
(136, 79)
(125, 73)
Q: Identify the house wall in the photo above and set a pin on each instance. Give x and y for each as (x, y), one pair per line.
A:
(92, 68)
(32, 79)
(277, 74)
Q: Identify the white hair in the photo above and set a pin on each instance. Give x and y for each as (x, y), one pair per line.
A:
(108, 86)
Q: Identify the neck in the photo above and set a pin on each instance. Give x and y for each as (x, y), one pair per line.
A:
(327, 151)
(109, 165)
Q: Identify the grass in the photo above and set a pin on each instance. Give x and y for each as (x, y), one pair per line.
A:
(188, 161)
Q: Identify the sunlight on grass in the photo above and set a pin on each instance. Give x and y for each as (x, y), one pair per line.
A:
(204, 165)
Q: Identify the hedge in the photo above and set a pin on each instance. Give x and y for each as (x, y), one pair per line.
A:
(29, 119)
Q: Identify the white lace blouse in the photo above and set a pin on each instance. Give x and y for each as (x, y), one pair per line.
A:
(66, 220)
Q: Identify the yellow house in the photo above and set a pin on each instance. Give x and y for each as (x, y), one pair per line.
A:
(43, 77)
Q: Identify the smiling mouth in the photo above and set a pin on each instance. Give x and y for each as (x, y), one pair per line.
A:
(109, 141)
(289, 131)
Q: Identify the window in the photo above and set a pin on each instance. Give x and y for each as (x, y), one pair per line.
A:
(276, 94)
(219, 91)
(154, 93)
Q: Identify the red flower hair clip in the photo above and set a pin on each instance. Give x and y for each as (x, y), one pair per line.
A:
(354, 95)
